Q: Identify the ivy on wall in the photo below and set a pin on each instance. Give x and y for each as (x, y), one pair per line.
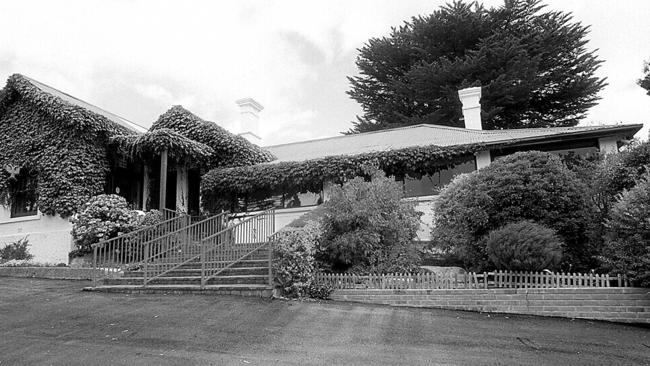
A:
(64, 144)
(61, 112)
(153, 143)
(229, 150)
(264, 180)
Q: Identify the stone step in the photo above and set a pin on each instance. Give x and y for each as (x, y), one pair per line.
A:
(181, 272)
(236, 290)
(242, 263)
(195, 256)
(191, 280)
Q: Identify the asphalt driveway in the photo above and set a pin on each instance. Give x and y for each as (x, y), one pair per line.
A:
(50, 322)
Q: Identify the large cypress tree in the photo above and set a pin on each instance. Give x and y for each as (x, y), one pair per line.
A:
(645, 82)
(532, 65)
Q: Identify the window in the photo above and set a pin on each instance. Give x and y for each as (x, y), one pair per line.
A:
(23, 194)
(430, 185)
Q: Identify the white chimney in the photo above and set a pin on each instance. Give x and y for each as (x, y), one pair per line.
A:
(471, 100)
(250, 119)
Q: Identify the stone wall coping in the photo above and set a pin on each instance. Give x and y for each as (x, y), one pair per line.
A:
(63, 273)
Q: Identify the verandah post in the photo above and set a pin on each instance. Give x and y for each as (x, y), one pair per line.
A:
(163, 180)
(95, 269)
(270, 245)
(146, 259)
(202, 263)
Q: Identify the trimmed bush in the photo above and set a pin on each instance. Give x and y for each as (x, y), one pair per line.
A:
(528, 185)
(524, 246)
(627, 241)
(16, 251)
(369, 228)
(293, 259)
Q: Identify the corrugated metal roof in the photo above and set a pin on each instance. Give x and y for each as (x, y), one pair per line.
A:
(424, 135)
(78, 102)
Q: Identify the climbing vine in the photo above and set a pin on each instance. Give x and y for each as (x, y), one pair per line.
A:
(229, 149)
(63, 145)
(152, 143)
(264, 180)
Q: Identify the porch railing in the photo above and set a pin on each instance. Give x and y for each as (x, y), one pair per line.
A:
(222, 250)
(168, 252)
(126, 250)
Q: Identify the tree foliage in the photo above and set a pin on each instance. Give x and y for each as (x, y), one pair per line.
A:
(528, 185)
(524, 246)
(369, 228)
(532, 65)
(628, 234)
(645, 81)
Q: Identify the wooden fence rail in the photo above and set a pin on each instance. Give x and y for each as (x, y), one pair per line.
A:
(470, 280)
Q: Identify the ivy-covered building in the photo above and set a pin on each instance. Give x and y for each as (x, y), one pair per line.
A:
(424, 157)
(58, 151)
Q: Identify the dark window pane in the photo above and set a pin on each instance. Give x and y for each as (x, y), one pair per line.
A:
(23, 197)
(430, 185)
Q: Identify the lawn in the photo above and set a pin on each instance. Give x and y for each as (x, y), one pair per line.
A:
(44, 322)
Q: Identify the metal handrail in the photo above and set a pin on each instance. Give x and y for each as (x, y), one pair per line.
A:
(172, 250)
(135, 232)
(217, 243)
(115, 254)
(222, 250)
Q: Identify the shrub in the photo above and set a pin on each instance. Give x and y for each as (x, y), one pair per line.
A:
(528, 185)
(628, 234)
(150, 218)
(605, 177)
(319, 291)
(293, 258)
(524, 246)
(16, 251)
(369, 228)
(102, 217)
(621, 171)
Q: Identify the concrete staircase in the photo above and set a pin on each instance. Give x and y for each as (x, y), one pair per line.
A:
(247, 277)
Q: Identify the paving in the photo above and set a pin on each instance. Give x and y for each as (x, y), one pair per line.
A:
(52, 322)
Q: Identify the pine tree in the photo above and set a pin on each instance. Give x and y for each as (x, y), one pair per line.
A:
(532, 65)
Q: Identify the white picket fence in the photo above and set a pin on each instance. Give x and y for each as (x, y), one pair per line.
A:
(470, 280)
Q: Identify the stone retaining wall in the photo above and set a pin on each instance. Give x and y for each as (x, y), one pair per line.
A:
(629, 305)
(63, 273)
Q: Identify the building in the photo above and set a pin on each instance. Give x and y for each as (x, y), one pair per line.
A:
(58, 151)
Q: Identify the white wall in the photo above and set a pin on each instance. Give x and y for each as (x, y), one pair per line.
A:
(284, 216)
(423, 204)
(608, 145)
(49, 237)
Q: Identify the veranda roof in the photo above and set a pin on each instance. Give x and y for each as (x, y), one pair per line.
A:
(427, 134)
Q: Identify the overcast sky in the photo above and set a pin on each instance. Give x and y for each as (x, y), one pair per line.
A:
(138, 58)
